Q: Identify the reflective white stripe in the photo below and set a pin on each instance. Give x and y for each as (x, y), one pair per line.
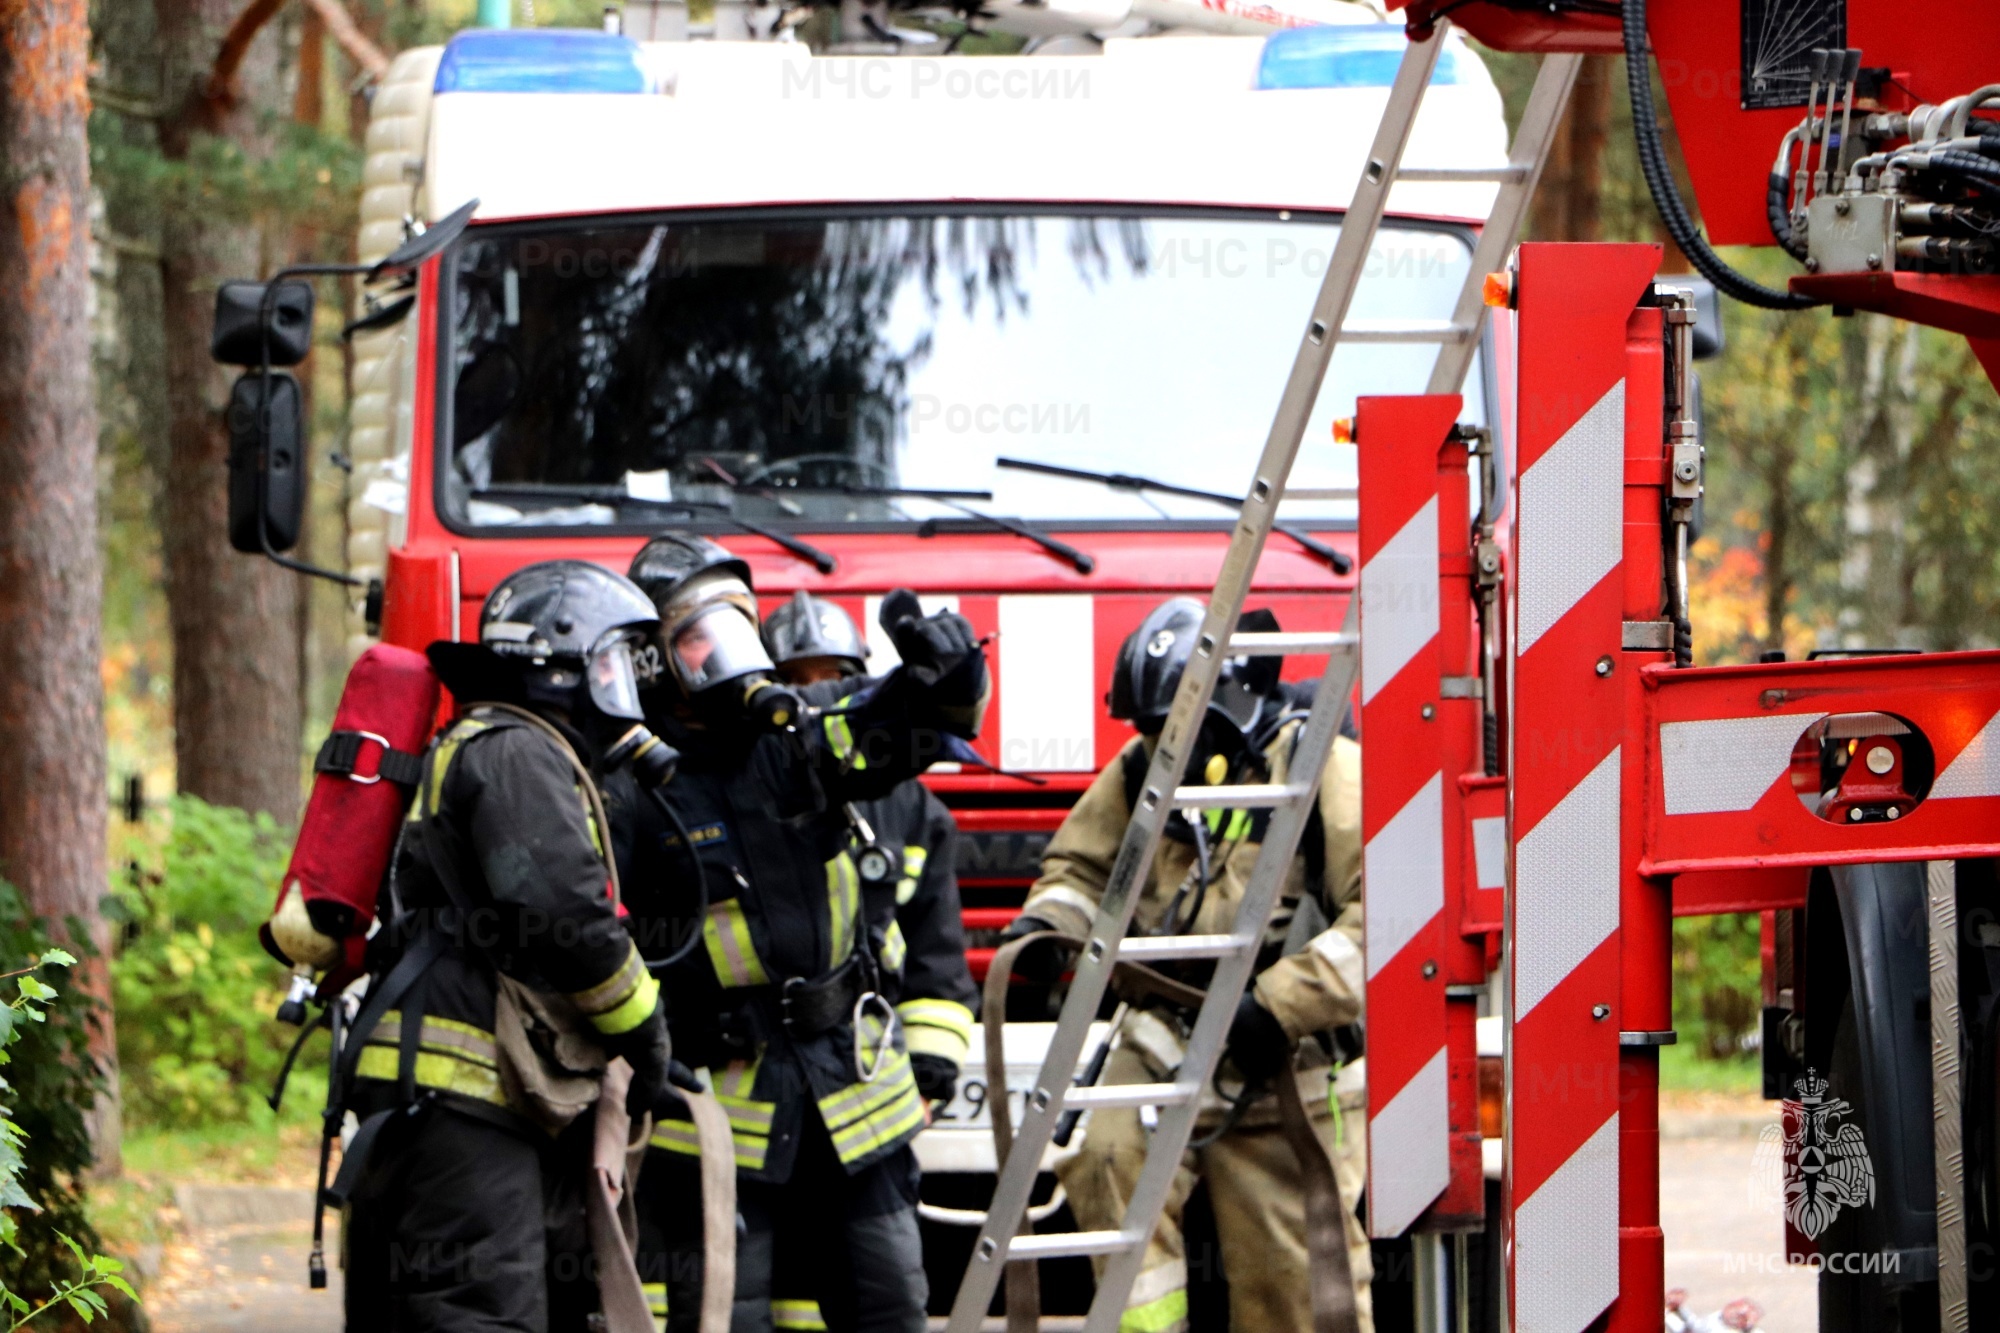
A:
(1411, 1142)
(1399, 606)
(1728, 763)
(1572, 517)
(1489, 851)
(1048, 683)
(882, 655)
(1339, 951)
(1403, 868)
(1566, 886)
(1153, 1283)
(1050, 901)
(1566, 1241)
(1976, 770)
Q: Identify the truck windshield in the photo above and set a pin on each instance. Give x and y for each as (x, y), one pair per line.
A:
(815, 372)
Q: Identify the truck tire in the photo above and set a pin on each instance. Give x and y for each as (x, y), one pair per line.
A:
(1853, 1299)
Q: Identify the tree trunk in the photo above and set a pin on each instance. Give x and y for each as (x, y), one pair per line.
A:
(1567, 204)
(53, 797)
(237, 720)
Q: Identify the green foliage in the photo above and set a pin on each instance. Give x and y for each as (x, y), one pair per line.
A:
(195, 993)
(43, 1144)
(309, 179)
(1717, 983)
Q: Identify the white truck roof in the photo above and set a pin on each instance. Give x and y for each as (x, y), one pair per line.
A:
(1174, 120)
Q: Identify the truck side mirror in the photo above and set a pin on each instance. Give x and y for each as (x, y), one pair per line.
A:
(241, 326)
(266, 457)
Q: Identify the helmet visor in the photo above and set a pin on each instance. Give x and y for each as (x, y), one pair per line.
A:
(719, 643)
(614, 683)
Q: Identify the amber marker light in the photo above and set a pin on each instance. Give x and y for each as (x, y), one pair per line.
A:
(1497, 290)
(1343, 430)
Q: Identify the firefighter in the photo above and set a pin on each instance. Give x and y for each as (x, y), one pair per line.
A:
(923, 932)
(466, 1211)
(914, 912)
(1298, 1021)
(783, 998)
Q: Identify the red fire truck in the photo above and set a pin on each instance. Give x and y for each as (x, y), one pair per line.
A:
(1001, 330)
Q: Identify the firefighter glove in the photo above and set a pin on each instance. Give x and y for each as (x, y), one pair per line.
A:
(647, 1049)
(931, 646)
(937, 1077)
(1258, 1046)
(1041, 963)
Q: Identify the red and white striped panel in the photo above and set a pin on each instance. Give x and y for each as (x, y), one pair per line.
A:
(1722, 789)
(1568, 716)
(1404, 874)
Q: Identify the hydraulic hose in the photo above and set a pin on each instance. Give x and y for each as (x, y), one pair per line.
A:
(1972, 167)
(1667, 195)
(700, 883)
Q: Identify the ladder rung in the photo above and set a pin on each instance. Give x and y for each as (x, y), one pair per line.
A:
(1062, 1244)
(1249, 796)
(1149, 947)
(1408, 331)
(1508, 175)
(1130, 1094)
(1326, 641)
(1323, 494)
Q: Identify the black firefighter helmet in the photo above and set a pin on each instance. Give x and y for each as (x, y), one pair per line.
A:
(808, 626)
(709, 632)
(548, 629)
(1148, 672)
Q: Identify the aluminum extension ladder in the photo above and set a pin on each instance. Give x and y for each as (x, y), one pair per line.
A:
(1290, 803)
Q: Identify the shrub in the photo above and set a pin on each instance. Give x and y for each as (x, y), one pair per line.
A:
(197, 1044)
(1718, 985)
(50, 1080)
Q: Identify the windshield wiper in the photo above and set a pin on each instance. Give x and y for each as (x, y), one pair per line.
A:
(861, 492)
(613, 497)
(1125, 481)
(1082, 561)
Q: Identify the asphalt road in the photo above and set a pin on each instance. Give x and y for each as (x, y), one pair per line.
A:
(1724, 1229)
(246, 1271)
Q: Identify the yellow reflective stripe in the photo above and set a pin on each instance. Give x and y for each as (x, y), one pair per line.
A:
(894, 948)
(914, 860)
(796, 1314)
(1158, 1315)
(736, 1079)
(676, 1136)
(885, 1125)
(444, 1036)
(936, 1027)
(731, 951)
(843, 905)
(656, 1298)
(947, 1014)
(448, 1073)
(636, 1009)
(858, 1099)
(615, 989)
(870, 1116)
(441, 756)
(747, 1116)
(936, 1041)
(841, 737)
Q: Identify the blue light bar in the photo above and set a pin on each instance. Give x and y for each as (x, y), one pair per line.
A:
(541, 60)
(1357, 55)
